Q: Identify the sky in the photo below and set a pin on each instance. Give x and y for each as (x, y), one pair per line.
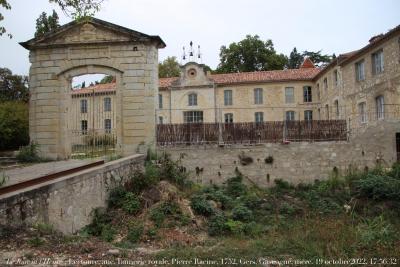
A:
(333, 26)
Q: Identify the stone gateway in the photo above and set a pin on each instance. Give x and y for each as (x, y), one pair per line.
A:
(90, 47)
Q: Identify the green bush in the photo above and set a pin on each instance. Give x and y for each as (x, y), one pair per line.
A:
(101, 219)
(201, 205)
(29, 153)
(135, 233)
(282, 185)
(116, 197)
(14, 125)
(253, 229)
(165, 210)
(235, 187)
(171, 171)
(217, 225)
(242, 213)
(378, 187)
(252, 201)
(131, 203)
(36, 241)
(107, 233)
(235, 227)
(217, 194)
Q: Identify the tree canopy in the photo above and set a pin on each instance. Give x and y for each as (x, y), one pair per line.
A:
(13, 87)
(250, 54)
(296, 58)
(76, 9)
(45, 24)
(168, 68)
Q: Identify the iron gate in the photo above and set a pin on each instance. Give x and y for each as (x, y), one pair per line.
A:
(92, 122)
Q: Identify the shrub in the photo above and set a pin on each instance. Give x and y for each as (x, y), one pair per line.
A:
(253, 229)
(171, 171)
(235, 227)
(100, 220)
(29, 153)
(378, 187)
(281, 185)
(135, 234)
(140, 181)
(166, 209)
(201, 205)
(375, 231)
(235, 186)
(217, 194)
(217, 225)
(242, 213)
(131, 203)
(107, 233)
(116, 197)
(252, 201)
(14, 125)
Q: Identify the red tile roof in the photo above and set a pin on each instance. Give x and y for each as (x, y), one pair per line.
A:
(99, 88)
(307, 63)
(304, 74)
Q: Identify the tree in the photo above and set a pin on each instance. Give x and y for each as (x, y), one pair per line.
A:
(106, 79)
(168, 68)
(14, 124)
(250, 54)
(295, 59)
(76, 9)
(317, 57)
(13, 87)
(45, 24)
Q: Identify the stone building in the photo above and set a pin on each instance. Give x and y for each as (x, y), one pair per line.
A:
(92, 47)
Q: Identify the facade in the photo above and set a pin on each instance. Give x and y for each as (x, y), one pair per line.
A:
(361, 87)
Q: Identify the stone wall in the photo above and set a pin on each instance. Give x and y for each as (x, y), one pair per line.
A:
(67, 202)
(294, 162)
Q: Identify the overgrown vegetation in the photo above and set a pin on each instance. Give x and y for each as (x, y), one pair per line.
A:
(343, 216)
(29, 153)
(13, 124)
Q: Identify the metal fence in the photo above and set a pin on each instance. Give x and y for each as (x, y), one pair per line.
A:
(251, 133)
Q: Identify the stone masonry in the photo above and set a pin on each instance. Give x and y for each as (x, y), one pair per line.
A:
(92, 47)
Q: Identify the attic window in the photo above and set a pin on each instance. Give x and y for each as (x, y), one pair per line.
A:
(192, 73)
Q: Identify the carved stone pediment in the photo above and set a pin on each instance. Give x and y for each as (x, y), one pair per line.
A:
(88, 32)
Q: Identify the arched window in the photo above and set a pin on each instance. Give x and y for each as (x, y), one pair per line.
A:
(192, 99)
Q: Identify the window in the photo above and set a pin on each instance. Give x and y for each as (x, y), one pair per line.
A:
(308, 115)
(362, 112)
(259, 117)
(160, 101)
(83, 106)
(107, 104)
(193, 116)
(84, 126)
(228, 117)
(360, 72)
(160, 120)
(336, 77)
(290, 115)
(228, 97)
(192, 99)
(380, 107)
(307, 93)
(377, 62)
(258, 96)
(337, 108)
(289, 95)
(107, 125)
(327, 112)
(325, 84)
(318, 92)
